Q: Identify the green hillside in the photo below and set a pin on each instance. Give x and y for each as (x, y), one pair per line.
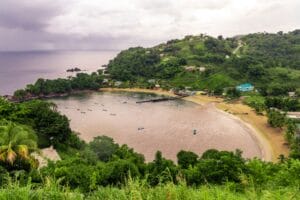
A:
(257, 58)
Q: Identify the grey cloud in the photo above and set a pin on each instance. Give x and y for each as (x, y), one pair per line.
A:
(25, 40)
(28, 15)
(115, 24)
(183, 4)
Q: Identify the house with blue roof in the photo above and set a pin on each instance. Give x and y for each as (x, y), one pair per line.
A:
(245, 87)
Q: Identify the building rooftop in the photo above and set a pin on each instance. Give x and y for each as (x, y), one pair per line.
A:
(245, 85)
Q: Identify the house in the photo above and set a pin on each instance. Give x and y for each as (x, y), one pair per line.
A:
(151, 81)
(202, 69)
(292, 94)
(245, 87)
(157, 86)
(190, 68)
(293, 115)
(117, 83)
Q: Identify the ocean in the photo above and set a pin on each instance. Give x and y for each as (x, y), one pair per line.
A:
(17, 69)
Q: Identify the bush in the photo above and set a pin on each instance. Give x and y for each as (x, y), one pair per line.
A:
(216, 167)
(233, 93)
(276, 119)
(104, 147)
(186, 159)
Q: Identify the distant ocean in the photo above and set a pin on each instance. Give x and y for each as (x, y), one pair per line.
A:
(20, 68)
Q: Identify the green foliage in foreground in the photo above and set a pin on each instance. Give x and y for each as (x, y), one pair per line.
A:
(140, 191)
(51, 127)
(218, 168)
(16, 144)
(103, 169)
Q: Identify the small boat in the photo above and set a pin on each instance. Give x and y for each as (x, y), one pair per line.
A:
(194, 131)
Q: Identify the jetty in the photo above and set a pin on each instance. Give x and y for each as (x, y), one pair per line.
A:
(162, 99)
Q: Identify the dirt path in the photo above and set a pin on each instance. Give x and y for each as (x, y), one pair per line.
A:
(270, 140)
(240, 44)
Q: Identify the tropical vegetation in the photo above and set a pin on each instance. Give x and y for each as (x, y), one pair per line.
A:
(203, 62)
(103, 169)
(44, 88)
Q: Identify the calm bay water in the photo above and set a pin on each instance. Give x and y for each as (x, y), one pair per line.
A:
(166, 126)
(20, 68)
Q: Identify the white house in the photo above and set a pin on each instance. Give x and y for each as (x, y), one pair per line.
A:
(117, 83)
(292, 94)
(151, 81)
(190, 68)
(202, 69)
(293, 115)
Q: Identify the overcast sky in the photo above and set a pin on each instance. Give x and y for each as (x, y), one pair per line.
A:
(118, 24)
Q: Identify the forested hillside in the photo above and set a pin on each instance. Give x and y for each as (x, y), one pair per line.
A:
(204, 62)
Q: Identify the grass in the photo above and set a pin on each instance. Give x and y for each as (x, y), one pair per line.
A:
(254, 99)
(189, 79)
(139, 190)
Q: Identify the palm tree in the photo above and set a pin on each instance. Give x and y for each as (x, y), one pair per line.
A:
(16, 142)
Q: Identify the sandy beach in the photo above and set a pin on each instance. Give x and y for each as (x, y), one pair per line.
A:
(270, 140)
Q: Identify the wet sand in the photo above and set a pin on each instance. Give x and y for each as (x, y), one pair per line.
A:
(165, 126)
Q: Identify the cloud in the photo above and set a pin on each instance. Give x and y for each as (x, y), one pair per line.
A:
(102, 24)
(28, 14)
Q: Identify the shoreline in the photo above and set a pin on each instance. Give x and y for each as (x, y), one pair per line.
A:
(45, 96)
(269, 140)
